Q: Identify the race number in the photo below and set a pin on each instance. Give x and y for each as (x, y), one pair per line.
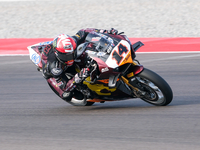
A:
(117, 55)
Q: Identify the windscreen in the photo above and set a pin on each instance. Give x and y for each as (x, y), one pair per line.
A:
(101, 42)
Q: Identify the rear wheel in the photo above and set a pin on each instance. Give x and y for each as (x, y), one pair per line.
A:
(156, 89)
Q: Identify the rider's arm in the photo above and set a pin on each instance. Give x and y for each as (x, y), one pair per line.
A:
(52, 68)
(55, 69)
(81, 34)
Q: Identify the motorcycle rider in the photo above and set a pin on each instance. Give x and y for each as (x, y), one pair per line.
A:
(60, 56)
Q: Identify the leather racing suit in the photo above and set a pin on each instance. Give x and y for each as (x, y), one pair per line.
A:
(63, 79)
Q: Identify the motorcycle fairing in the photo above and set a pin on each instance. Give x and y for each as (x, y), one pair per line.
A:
(35, 52)
(113, 80)
(100, 89)
(104, 92)
(137, 45)
(34, 56)
(114, 53)
(120, 55)
(110, 53)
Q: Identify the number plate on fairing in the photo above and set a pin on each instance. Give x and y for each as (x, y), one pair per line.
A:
(121, 54)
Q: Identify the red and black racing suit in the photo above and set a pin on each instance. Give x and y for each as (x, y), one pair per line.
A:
(55, 71)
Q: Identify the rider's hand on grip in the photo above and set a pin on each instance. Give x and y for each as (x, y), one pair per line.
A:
(113, 31)
(83, 74)
(77, 79)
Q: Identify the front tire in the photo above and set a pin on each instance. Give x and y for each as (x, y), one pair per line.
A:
(157, 91)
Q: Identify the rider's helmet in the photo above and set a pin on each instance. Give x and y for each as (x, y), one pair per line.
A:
(64, 46)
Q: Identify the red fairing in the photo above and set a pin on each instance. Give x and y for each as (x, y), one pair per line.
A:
(55, 86)
(100, 62)
(104, 70)
(124, 37)
(137, 69)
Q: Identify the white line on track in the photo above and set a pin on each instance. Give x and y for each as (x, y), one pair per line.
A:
(14, 55)
(152, 60)
(136, 53)
(171, 58)
(15, 62)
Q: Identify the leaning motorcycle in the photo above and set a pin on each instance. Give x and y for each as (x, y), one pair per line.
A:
(117, 76)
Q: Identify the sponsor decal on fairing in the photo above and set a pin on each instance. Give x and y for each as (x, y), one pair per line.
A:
(35, 58)
(104, 69)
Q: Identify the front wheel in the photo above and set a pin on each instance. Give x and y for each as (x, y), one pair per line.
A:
(156, 90)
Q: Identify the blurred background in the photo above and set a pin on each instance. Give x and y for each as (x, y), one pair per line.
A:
(137, 18)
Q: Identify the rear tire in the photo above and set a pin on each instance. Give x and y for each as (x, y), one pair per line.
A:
(157, 90)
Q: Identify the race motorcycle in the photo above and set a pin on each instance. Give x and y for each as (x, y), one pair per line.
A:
(117, 76)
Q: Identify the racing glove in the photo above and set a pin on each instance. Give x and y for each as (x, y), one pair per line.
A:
(111, 31)
(83, 74)
(77, 79)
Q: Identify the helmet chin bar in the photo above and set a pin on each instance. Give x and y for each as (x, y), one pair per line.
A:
(64, 62)
(60, 60)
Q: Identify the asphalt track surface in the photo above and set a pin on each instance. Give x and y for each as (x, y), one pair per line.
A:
(32, 117)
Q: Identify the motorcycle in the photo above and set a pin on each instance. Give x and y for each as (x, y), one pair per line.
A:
(117, 76)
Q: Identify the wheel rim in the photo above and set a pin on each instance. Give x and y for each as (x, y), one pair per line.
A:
(153, 94)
